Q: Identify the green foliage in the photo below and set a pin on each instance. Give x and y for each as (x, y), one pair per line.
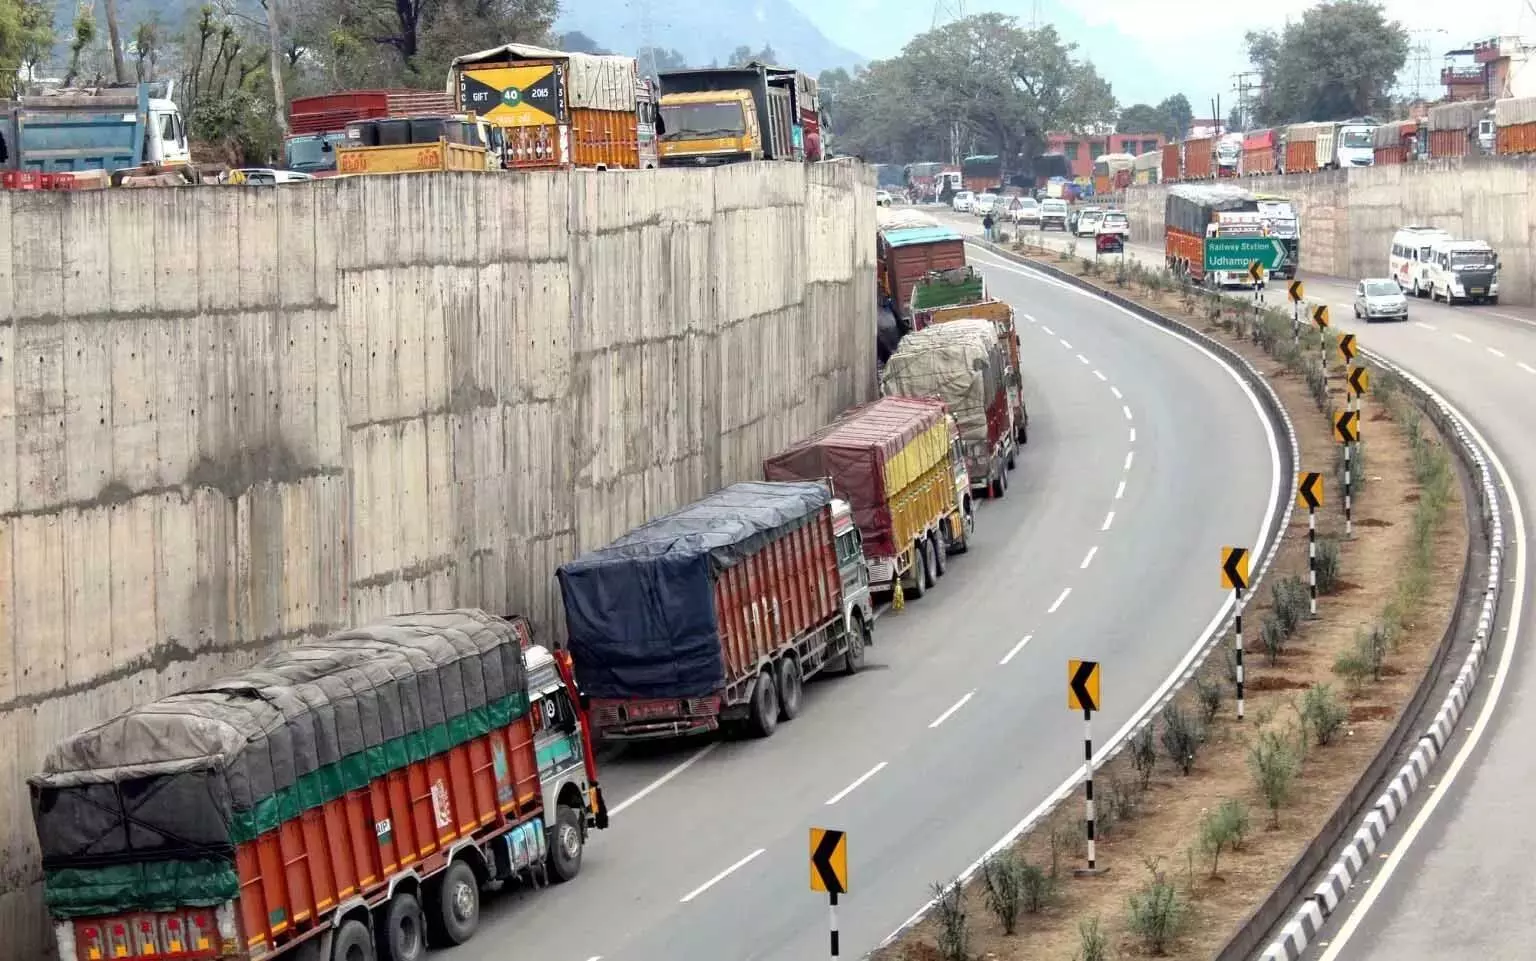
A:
(1272, 638)
(1157, 913)
(1275, 764)
(26, 37)
(1182, 737)
(1144, 754)
(954, 934)
(1003, 884)
(1322, 713)
(1327, 565)
(1170, 118)
(1208, 695)
(1357, 463)
(1291, 601)
(1317, 386)
(1340, 59)
(1093, 943)
(1223, 829)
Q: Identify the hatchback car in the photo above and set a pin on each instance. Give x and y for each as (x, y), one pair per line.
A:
(1115, 222)
(962, 202)
(1380, 299)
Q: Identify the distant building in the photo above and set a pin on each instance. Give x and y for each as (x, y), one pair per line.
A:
(1082, 149)
(1489, 70)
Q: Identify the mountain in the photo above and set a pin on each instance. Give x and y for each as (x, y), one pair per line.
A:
(705, 32)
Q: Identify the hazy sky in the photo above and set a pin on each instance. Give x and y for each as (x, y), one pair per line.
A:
(1150, 49)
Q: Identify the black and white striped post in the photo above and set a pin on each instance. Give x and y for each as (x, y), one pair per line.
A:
(1234, 577)
(1088, 786)
(1349, 520)
(832, 902)
(1083, 695)
(1237, 649)
(1309, 494)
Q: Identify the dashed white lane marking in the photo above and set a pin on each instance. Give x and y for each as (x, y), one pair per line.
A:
(1116, 392)
(1133, 435)
(654, 785)
(1031, 318)
(1082, 358)
(722, 876)
(1048, 330)
(1525, 367)
(1130, 455)
(1060, 600)
(952, 709)
(1064, 342)
(1119, 493)
(857, 782)
(1420, 323)
(1463, 338)
(1089, 558)
(1496, 352)
(1015, 649)
(1108, 519)
(1100, 375)
(1127, 409)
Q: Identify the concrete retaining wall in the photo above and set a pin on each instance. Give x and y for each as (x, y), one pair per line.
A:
(1348, 217)
(234, 418)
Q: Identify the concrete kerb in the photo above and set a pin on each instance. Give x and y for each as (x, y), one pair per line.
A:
(1326, 897)
(1290, 457)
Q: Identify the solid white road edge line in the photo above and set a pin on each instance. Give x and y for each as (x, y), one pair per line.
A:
(720, 877)
(1088, 559)
(952, 709)
(1373, 890)
(856, 784)
(688, 763)
(1119, 493)
(1060, 600)
(1015, 650)
(1262, 542)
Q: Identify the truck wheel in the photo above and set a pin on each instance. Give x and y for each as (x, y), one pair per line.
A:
(401, 929)
(1013, 458)
(565, 844)
(858, 643)
(919, 573)
(353, 943)
(791, 687)
(930, 574)
(961, 544)
(454, 905)
(1023, 433)
(940, 552)
(1000, 486)
(764, 719)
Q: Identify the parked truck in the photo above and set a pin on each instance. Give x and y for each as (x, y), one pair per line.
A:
(1395, 142)
(1455, 128)
(722, 115)
(108, 129)
(1260, 153)
(1148, 167)
(890, 459)
(318, 125)
(1515, 125)
(1173, 162)
(907, 252)
(1194, 212)
(1199, 158)
(950, 295)
(324, 802)
(412, 145)
(1301, 147)
(718, 612)
(558, 109)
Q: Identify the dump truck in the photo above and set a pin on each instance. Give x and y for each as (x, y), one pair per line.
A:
(412, 145)
(891, 460)
(111, 129)
(944, 296)
(963, 364)
(718, 612)
(721, 115)
(324, 802)
(559, 109)
(317, 125)
(907, 252)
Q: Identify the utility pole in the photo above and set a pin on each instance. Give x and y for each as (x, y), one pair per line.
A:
(1244, 82)
(647, 34)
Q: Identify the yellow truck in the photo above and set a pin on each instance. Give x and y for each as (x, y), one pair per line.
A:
(410, 158)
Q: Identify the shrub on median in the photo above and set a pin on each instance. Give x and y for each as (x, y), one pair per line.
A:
(1182, 737)
(1223, 829)
(1275, 763)
(1093, 943)
(1157, 912)
(1322, 714)
(953, 938)
(1327, 566)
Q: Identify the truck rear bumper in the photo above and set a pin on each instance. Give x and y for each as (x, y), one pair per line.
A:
(654, 719)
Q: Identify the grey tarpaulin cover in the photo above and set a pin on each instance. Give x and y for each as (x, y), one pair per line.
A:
(641, 611)
(960, 362)
(187, 777)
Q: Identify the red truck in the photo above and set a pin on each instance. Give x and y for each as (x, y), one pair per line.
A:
(718, 612)
(1199, 158)
(318, 125)
(906, 252)
(359, 787)
(1260, 155)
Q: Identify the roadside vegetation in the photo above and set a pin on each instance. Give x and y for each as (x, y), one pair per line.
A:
(1201, 814)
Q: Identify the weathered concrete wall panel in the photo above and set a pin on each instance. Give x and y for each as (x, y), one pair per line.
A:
(232, 419)
(1348, 217)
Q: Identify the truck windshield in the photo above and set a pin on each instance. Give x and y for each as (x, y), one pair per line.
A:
(1355, 139)
(1472, 258)
(308, 154)
(695, 121)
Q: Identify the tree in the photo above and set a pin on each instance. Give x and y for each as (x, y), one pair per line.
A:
(743, 55)
(577, 42)
(1141, 118)
(1179, 113)
(84, 36)
(26, 37)
(654, 60)
(115, 41)
(1340, 60)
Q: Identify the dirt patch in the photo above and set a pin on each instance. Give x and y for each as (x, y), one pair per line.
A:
(1158, 827)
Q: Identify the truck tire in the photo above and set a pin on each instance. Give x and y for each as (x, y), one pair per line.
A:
(353, 943)
(453, 905)
(791, 688)
(764, 719)
(961, 544)
(930, 568)
(858, 644)
(1022, 434)
(919, 573)
(939, 550)
(565, 844)
(1013, 458)
(401, 934)
(1000, 486)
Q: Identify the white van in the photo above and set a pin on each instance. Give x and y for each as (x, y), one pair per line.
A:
(1409, 260)
(1466, 270)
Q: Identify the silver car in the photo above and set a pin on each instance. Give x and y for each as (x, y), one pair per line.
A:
(1380, 299)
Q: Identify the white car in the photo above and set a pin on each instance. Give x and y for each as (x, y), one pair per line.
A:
(963, 201)
(1115, 222)
(1088, 222)
(1024, 210)
(883, 198)
(1380, 298)
(1053, 213)
(985, 204)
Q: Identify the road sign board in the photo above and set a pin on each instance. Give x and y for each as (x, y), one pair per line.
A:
(1346, 427)
(1296, 291)
(1347, 347)
(1359, 380)
(1309, 490)
(829, 861)
(1236, 253)
(1256, 272)
(1083, 685)
(1320, 315)
(1234, 568)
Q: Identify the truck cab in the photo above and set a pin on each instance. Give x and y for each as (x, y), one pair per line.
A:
(853, 572)
(964, 526)
(709, 127)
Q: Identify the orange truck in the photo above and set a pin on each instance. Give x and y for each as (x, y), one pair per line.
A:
(1259, 152)
(560, 109)
(1453, 127)
(1301, 147)
(333, 801)
(1173, 167)
(1199, 158)
(1515, 125)
(1392, 143)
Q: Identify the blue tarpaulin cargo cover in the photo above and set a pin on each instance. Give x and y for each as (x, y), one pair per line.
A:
(641, 611)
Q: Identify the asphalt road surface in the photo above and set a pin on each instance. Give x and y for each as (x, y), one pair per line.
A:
(1455, 877)
(1145, 457)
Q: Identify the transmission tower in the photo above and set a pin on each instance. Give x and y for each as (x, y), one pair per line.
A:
(1246, 83)
(1421, 58)
(647, 33)
(945, 11)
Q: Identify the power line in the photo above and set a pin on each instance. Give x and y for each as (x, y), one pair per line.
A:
(1421, 57)
(945, 11)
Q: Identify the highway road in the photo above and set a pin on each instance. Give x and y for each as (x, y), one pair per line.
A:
(1455, 877)
(1145, 456)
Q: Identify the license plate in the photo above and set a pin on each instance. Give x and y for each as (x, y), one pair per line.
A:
(1477, 291)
